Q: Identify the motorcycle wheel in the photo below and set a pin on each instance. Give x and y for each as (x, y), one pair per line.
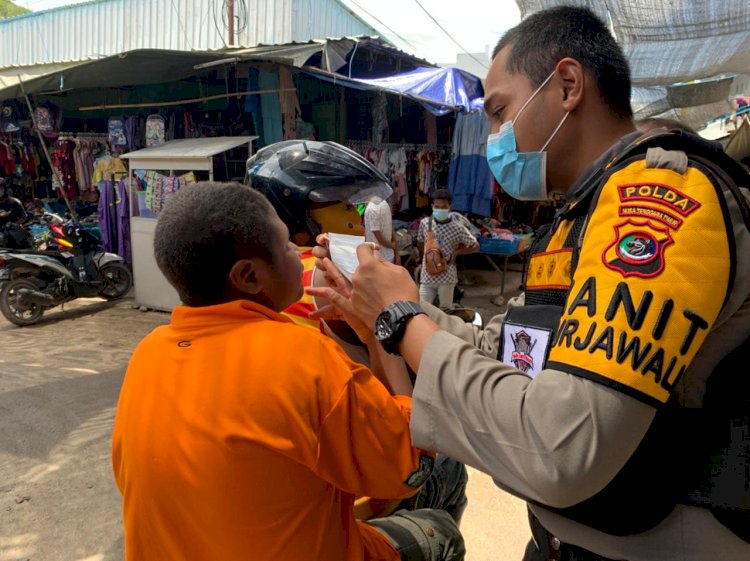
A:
(117, 280)
(12, 310)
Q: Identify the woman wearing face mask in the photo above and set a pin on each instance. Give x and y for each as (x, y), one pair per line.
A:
(455, 239)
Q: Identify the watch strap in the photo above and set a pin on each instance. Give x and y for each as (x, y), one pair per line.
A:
(402, 311)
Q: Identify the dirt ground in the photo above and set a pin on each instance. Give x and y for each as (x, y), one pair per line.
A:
(59, 383)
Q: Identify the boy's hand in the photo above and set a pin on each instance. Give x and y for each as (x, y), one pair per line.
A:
(320, 251)
(338, 306)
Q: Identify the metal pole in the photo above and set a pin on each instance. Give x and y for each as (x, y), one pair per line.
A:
(46, 152)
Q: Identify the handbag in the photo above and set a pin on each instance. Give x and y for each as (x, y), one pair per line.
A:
(434, 260)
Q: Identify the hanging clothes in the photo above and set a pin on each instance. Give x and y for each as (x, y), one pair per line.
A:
(107, 215)
(64, 176)
(114, 218)
(470, 180)
(289, 103)
(379, 118)
(413, 171)
(430, 125)
(122, 219)
(252, 105)
(7, 159)
(270, 107)
(397, 161)
(106, 166)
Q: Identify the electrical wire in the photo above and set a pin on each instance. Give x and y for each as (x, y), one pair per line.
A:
(484, 65)
(383, 24)
(240, 17)
(182, 25)
(216, 24)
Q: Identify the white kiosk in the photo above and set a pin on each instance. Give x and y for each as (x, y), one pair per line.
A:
(190, 154)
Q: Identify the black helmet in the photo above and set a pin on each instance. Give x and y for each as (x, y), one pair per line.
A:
(300, 176)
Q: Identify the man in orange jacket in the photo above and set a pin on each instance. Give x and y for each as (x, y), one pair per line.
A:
(239, 434)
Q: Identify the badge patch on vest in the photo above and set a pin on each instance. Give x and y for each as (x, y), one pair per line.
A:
(525, 347)
(653, 270)
(418, 478)
(658, 193)
(550, 269)
(638, 249)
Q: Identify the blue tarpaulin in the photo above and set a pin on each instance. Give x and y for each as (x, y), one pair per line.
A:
(439, 90)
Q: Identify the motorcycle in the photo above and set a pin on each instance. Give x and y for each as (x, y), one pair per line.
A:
(15, 236)
(35, 281)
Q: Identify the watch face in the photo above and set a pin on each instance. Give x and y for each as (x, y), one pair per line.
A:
(383, 326)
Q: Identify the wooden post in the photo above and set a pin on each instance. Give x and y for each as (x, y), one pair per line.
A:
(230, 21)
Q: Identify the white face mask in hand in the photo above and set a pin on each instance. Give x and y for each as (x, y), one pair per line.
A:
(343, 249)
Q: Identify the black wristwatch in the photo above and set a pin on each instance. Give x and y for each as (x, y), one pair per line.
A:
(391, 323)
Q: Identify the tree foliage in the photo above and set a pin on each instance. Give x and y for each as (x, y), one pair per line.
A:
(8, 9)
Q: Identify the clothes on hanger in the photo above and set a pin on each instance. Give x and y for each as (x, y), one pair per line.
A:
(413, 170)
(470, 180)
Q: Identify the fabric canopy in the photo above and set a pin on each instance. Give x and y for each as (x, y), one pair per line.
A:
(333, 53)
(671, 45)
(439, 90)
(739, 144)
(448, 86)
(671, 42)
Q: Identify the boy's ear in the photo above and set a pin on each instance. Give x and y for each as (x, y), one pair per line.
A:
(245, 275)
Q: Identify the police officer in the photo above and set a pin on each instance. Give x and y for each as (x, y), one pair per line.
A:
(602, 396)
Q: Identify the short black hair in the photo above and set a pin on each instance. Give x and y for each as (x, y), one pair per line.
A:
(659, 122)
(441, 194)
(544, 38)
(203, 230)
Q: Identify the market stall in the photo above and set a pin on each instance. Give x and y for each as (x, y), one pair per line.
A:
(178, 159)
(498, 251)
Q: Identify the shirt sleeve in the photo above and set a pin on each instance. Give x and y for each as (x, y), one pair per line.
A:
(372, 218)
(486, 339)
(558, 439)
(98, 174)
(422, 232)
(467, 238)
(364, 443)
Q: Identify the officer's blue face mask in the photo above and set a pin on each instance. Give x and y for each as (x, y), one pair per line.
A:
(523, 175)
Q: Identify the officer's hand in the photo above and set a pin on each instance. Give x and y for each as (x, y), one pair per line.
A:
(377, 283)
(332, 300)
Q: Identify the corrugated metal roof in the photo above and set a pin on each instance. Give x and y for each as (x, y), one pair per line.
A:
(146, 66)
(320, 19)
(108, 27)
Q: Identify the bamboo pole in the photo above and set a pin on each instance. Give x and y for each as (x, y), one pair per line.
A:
(180, 101)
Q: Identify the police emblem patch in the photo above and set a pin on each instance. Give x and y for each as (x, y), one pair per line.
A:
(638, 249)
(525, 347)
(521, 356)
